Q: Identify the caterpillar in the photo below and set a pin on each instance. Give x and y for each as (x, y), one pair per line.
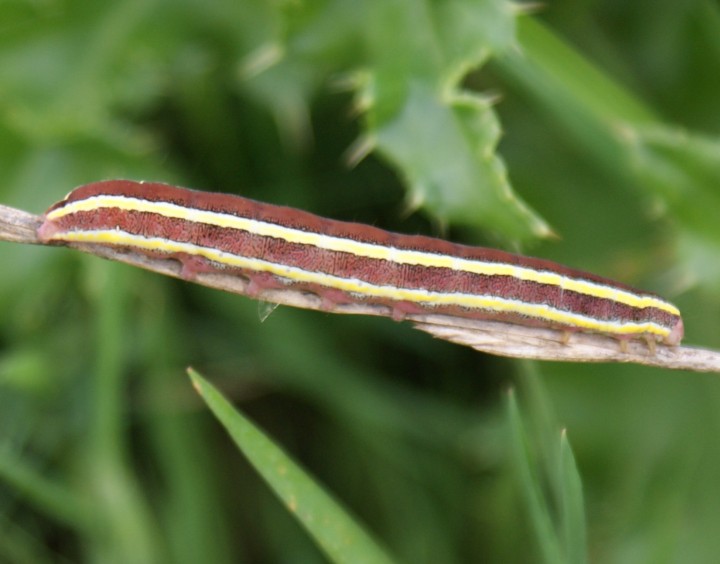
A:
(275, 246)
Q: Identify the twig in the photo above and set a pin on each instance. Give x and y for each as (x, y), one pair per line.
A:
(505, 339)
(494, 337)
(18, 226)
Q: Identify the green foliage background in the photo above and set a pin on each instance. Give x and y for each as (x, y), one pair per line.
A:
(609, 121)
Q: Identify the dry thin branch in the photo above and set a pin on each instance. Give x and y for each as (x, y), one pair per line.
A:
(18, 226)
(505, 339)
(494, 337)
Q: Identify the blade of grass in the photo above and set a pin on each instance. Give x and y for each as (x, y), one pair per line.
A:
(572, 511)
(195, 530)
(46, 496)
(567, 72)
(331, 526)
(540, 515)
(550, 480)
(579, 96)
(129, 534)
(679, 168)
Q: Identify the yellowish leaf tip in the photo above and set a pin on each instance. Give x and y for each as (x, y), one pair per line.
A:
(195, 379)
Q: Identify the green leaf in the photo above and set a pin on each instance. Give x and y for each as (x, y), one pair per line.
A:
(572, 509)
(441, 138)
(532, 488)
(446, 150)
(680, 170)
(330, 525)
(552, 490)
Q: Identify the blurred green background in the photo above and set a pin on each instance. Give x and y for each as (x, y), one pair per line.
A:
(387, 112)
